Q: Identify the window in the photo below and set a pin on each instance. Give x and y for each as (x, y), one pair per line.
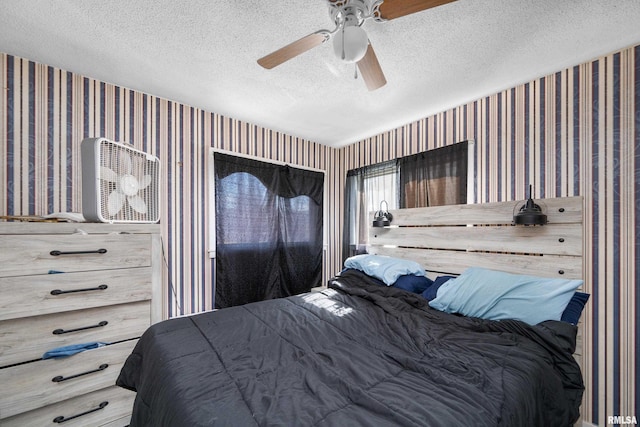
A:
(380, 184)
(366, 188)
(432, 178)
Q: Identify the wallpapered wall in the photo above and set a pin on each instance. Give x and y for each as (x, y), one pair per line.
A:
(576, 132)
(47, 112)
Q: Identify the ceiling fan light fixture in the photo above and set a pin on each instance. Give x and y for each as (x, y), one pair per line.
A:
(350, 43)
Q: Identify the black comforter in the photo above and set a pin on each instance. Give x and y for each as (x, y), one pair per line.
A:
(355, 354)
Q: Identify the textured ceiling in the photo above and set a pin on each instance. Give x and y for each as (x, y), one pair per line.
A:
(203, 53)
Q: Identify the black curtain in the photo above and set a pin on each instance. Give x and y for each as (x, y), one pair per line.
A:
(435, 177)
(355, 215)
(268, 230)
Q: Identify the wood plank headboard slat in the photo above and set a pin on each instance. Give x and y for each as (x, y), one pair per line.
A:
(454, 262)
(560, 239)
(488, 213)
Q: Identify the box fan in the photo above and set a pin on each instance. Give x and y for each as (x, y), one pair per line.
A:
(119, 184)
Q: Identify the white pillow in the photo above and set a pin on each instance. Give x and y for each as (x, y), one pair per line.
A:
(495, 295)
(384, 268)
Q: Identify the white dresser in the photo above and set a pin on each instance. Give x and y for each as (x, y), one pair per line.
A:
(63, 284)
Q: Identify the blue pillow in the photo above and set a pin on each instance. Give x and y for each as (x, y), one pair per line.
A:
(495, 295)
(412, 283)
(385, 268)
(432, 291)
(572, 313)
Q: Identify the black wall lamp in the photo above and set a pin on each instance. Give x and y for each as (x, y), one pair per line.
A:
(382, 218)
(529, 213)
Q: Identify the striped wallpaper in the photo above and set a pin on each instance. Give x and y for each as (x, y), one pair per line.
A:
(47, 112)
(576, 132)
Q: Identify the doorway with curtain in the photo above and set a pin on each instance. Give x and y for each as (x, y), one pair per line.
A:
(268, 230)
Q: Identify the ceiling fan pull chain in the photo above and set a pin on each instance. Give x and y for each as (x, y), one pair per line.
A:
(343, 55)
(355, 75)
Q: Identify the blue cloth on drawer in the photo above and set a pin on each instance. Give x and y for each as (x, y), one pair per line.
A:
(70, 350)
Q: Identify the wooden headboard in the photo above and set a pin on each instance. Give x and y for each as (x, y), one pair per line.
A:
(448, 239)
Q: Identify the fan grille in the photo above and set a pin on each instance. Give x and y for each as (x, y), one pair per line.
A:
(129, 166)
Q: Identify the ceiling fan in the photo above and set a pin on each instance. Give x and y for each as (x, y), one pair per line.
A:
(351, 43)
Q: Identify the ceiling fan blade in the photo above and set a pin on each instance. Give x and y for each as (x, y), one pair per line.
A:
(371, 71)
(294, 49)
(391, 9)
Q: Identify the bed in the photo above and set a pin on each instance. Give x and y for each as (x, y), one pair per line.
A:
(363, 353)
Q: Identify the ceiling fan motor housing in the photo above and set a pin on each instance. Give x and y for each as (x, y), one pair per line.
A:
(355, 11)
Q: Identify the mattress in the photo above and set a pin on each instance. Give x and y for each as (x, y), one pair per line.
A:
(356, 353)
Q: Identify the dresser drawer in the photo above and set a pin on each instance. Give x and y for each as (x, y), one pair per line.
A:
(30, 337)
(35, 254)
(32, 385)
(28, 296)
(116, 412)
(121, 422)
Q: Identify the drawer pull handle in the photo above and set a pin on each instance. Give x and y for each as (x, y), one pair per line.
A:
(62, 418)
(62, 331)
(60, 291)
(60, 378)
(58, 253)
